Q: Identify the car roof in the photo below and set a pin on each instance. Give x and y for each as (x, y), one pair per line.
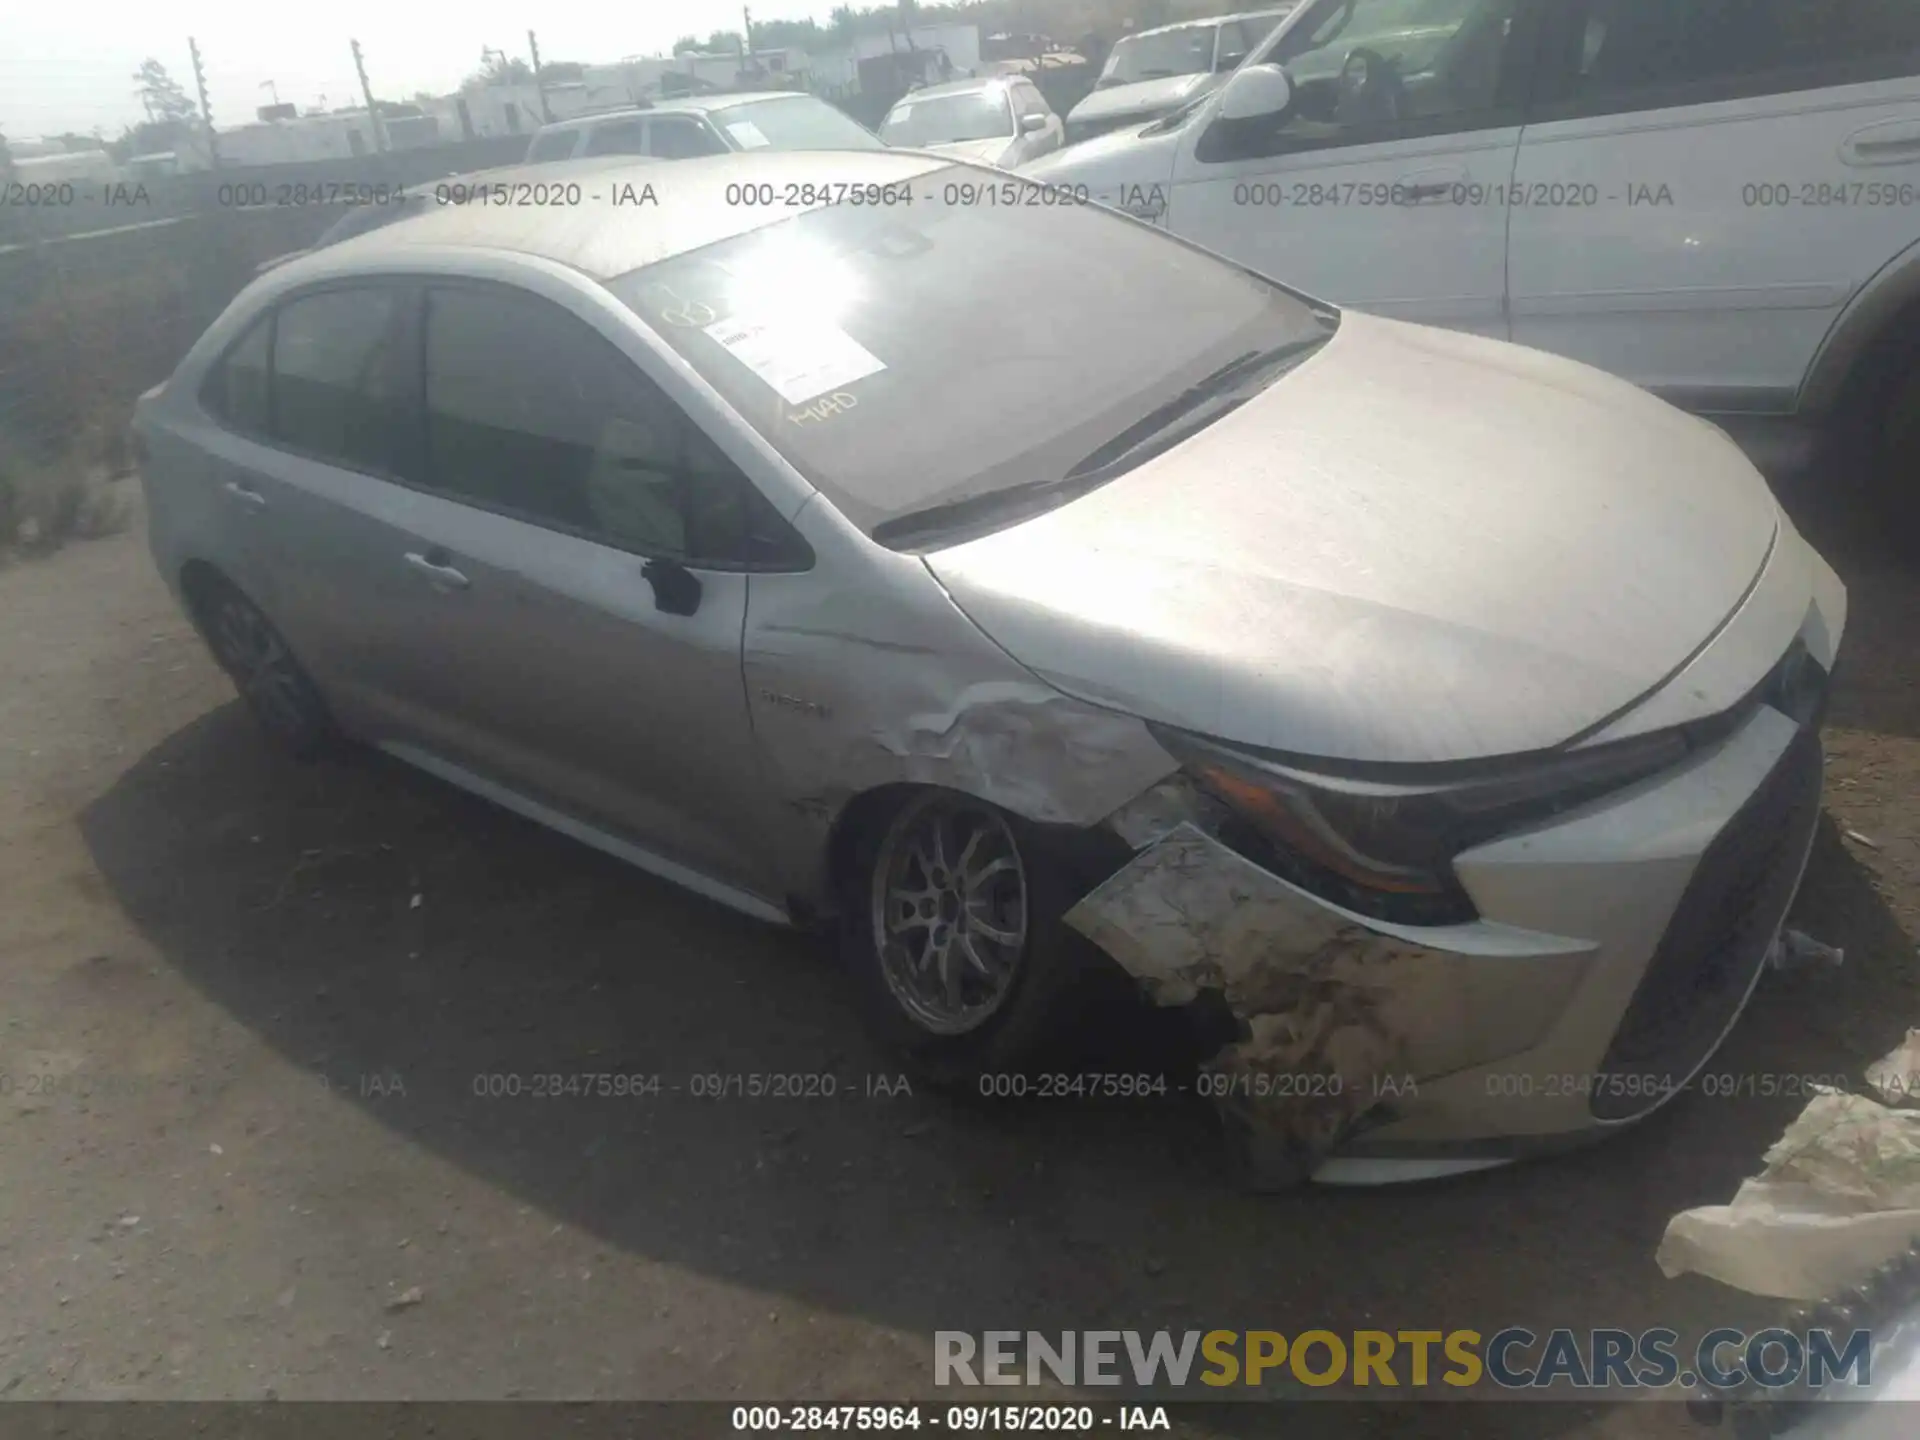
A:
(603, 239)
(1278, 11)
(679, 105)
(958, 87)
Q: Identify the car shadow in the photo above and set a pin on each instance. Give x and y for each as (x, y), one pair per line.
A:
(287, 894)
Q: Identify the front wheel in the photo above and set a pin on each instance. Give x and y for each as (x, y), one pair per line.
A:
(951, 926)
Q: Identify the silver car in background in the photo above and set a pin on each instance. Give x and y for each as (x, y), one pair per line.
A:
(1017, 589)
(696, 125)
(996, 120)
(1155, 72)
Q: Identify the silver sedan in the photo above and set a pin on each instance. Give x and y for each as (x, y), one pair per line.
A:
(889, 545)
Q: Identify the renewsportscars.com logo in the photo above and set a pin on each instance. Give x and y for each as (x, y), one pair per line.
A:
(1511, 1359)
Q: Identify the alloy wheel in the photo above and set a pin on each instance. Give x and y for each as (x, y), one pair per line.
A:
(262, 667)
(950, 902)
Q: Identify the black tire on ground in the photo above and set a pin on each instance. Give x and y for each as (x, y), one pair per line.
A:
(1876, 433)
(1019, 1028)
(284, 700)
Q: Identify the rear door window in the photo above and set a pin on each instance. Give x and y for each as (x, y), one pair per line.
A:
(236, 390)
(346, 378)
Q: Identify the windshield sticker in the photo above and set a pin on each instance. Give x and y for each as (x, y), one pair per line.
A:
(748, 134)
(798, 358)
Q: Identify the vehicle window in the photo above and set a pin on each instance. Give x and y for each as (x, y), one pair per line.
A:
(1636, 49)
(236, 390)
(1029, 101)
(971, 115)
(617, 137)
(529, 411)
(1234, 44)
(1370, 70)
(1187, 51)
(346, 379)
(676, 139)
(902, 358)
(800, 123)
(551, 145)
(361, 219)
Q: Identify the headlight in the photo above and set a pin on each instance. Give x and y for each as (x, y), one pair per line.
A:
(1386, 849)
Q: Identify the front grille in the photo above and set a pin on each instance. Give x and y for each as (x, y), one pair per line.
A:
(1717, 940)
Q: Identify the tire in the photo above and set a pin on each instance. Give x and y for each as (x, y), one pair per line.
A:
(1009, 954)
(284, 700)
(1877, 440)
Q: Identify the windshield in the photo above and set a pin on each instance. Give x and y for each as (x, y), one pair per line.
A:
(802, 123)
(1154, 57)
(904, 357)
(1411, 32)
(975, 115)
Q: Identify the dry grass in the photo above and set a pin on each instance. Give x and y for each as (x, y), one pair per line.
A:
(45, 503)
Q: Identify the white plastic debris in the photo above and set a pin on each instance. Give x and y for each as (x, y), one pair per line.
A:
(1796, 950)
(1895, 1076)
(1840, 1196)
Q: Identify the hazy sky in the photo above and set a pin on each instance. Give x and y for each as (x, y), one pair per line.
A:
(70, 68)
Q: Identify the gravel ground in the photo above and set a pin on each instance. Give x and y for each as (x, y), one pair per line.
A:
(244, 1003)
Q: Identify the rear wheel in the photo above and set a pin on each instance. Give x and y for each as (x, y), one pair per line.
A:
(952, 929)
(244, 643)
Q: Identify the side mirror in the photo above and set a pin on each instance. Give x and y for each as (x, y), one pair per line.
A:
(1032, 124)
(676, 589)
(1255, 92)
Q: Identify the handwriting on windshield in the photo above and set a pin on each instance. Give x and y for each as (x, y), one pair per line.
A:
(824, 409)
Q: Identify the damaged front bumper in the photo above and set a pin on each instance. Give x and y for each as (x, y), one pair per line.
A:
(1615, 946)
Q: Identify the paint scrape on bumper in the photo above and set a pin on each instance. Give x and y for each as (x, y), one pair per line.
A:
(1329, 1008)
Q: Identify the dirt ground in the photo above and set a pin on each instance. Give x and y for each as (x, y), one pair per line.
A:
(244, 1005)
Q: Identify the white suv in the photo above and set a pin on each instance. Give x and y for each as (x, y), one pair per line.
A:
(1716, 199)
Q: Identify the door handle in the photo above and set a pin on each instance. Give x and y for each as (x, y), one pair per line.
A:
(246, 494)
(436, 565)
(1891, 142)
(1429, 187)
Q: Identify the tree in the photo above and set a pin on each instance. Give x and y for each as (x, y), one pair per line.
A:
(498, 68)
(151, 137)
(845, 22)
(686, 44)
(562, 72)
(160, 94)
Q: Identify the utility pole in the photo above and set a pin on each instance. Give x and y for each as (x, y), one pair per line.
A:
(206, 110)
(366, 90)
(540, 80)
(746, 37)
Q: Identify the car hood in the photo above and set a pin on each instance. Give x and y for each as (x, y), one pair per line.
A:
(1417, 547)
(1109, 163)
(1145, 98)
(984, 152)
